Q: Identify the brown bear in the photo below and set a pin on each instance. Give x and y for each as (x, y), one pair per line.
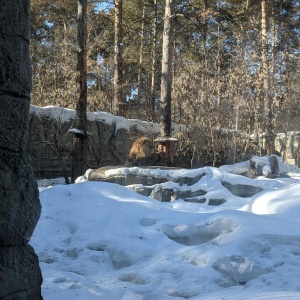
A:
(140, 153)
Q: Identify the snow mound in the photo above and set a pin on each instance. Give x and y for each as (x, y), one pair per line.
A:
(98, 240)
(284, 202)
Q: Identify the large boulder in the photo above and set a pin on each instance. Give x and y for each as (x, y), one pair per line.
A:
(161, 186)
(124, 179)
(242, 190)
(20, 275)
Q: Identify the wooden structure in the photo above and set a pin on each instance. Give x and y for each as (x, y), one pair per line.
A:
(166, 150)
(268, 143)
(79, 153)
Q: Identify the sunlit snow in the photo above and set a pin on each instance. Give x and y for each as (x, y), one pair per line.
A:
(99, 240)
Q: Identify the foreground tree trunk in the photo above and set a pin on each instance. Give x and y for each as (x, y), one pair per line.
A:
(79, 163)
(20, 275)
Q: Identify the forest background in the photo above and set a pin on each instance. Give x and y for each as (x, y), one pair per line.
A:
(235, 64)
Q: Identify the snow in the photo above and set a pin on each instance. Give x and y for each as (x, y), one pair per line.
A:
(99, 240)
(64, 115)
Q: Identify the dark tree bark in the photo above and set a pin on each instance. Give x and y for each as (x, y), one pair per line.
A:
(165, 144)
(140, 68)
(119, 101)
(20, 275)
(166, 72)
(265, 80)
(153, 61)
(79, 164)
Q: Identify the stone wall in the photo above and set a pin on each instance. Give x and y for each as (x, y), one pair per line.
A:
(287, 145)
(109, 141)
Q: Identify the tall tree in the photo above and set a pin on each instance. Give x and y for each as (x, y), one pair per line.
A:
(20, 276)
(119, 101)
(153, 60)
(79, 163)
(166, 69)
(266, 98)
(219, 71)
(141, 56)
(165, 143)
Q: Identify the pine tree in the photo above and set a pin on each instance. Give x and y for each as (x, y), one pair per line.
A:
(79, 162)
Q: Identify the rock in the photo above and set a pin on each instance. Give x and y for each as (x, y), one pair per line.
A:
(267, 172)
(188, 180)
(255, 170)
(242, 190)
(237, 270)
(161, 194)
(274, 165)
(216, 202)
(21, 209)
(195, 200)
(187, 194)
(141, 189)
(123, 179)
(20, 273)
(212, 202)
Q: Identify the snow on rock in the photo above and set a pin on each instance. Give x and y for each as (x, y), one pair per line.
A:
(65, 115)
(266, 170)
(237, 270)
(62, 114)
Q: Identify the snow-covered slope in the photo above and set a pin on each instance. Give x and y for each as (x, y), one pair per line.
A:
(99, 240)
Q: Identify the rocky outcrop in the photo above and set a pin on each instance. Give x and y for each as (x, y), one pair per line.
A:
(163, 184)
(109, 141)
(123, 179)
(167, 184)
(242, 190)
(20, 275)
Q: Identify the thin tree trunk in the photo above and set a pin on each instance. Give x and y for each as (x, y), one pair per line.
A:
(140, 69)
(81, 65)
(153, 62)
(119, 102)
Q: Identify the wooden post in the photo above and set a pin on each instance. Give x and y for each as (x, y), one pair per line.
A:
(166, 150)
(79, 154)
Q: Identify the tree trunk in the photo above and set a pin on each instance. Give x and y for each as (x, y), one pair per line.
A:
(79, 163)
(166, 72)
(140, 69)
(119, 101)
(265, 78)
(153, 62)
(20, 276)
(165, 145)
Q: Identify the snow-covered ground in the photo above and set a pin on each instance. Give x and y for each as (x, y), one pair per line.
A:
(98, 240)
